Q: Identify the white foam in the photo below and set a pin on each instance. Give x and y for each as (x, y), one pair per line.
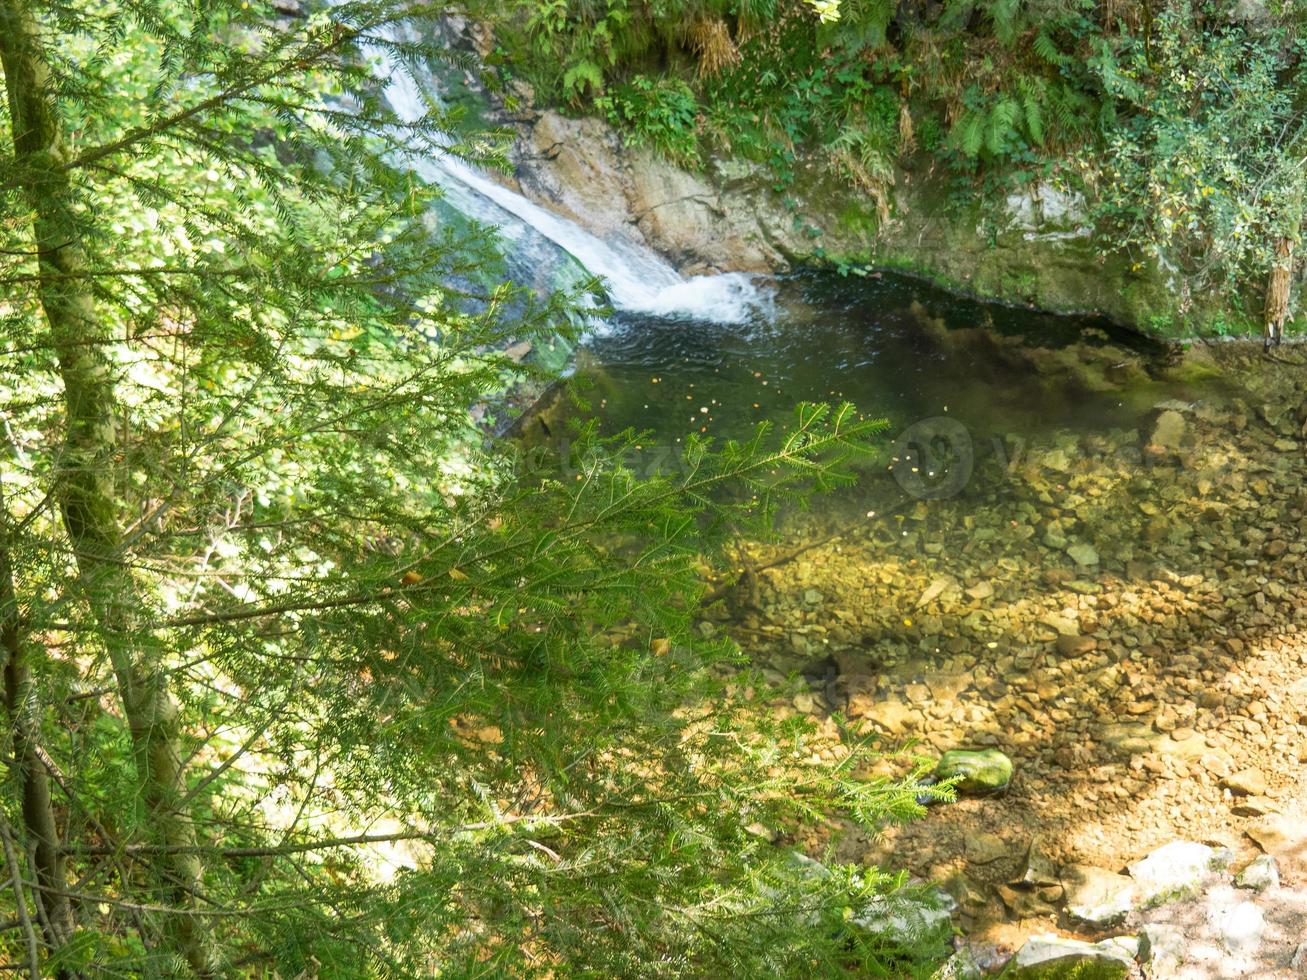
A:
(636, 278)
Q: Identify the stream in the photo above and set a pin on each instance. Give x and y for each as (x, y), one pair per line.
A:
(1080, 549)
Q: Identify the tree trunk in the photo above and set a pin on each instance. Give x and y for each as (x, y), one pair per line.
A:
(1277, 290)
(85, 476)
(33, 781)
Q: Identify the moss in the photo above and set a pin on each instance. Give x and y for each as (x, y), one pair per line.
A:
(1071, 968)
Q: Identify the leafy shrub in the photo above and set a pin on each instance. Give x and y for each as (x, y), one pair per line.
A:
(660, 113)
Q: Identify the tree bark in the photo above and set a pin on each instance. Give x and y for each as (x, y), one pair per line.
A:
(85, 475)
(34, 782)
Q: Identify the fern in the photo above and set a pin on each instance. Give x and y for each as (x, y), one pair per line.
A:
(580, 75)
(1032, 92)
(972, 129)
(1046, 50)
(1006, 16)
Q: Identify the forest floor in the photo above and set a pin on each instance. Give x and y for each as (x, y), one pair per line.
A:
(1123, 612)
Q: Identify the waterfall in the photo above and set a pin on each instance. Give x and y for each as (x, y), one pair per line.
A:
(636, 279)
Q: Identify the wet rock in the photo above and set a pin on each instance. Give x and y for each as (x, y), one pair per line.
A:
(1083, 554)
(981, 771)
(1260, 873)
(1176, 870)
(1075, 646)
(1051, 957)
(1168, 430)
(891, 716)
(1096, 896)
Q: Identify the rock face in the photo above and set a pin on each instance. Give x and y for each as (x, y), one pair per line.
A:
(1051, 957)
(981, 772)
(730, 217)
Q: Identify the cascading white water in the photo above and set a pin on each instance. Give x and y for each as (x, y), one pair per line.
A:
(636, 278)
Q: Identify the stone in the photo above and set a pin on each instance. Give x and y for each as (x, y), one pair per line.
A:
(1037, 872)
(1161, 948)
(1176, 870)
(1241, 928)
(1259, 874)
(1075, 646)
(517, 352)
(1051, 957)
(1246, 782)
(980, 771)
(1254, 806)
(1096, 896)
(1168, 430)
(985, 848)
(911, 917)
(1024, 904)
(890, 715)
(1299, 959)
(960, 966)
(1061, 624)
(1083, 554)
(1284, 838)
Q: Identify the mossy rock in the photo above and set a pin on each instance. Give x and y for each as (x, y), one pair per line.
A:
(1052, 957)
(979, 771)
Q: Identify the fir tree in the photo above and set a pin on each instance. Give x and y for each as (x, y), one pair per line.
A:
(303, 676)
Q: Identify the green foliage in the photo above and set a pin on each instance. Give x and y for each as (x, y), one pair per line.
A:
(662, 114)
(1178, 118)
(1204, 172)
(436, 713)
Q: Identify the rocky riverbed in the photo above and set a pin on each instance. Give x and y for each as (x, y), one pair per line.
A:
(1122, 612)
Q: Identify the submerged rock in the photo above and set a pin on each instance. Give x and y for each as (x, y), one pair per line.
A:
(981, 771)
(1168, 430)
(1083, 554)
(1051, 957)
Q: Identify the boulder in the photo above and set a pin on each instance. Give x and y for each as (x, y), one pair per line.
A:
(1161, 949)
(1259, 874)
(980, 771)
(1176, 870)
(1241, 928)
(912, 918)
(1096, 896)
(960, 966)
(1051, 957)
